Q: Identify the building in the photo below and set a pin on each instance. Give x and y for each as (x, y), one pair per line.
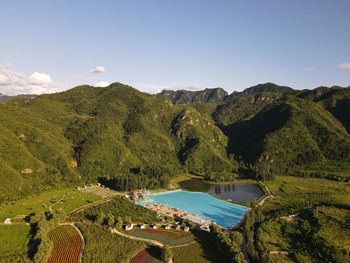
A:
(167, 226)
(186, 229)
(129, 226)
(178, 227)
(7, 221)
(142, 226)
(154, 226)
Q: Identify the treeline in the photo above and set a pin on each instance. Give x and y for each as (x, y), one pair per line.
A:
(115, 211)
(229, 243)
(150, 177)
(41, 245)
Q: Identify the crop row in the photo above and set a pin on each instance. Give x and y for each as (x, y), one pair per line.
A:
(67, 244)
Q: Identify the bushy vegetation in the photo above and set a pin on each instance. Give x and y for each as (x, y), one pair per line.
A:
(101, 246)
(119, 208)
(308, 219)
(14, 240)
(60, 200)
(229, 244)
(204, 251)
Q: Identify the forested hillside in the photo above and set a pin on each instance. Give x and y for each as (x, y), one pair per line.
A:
(116, 134)
(129, 139)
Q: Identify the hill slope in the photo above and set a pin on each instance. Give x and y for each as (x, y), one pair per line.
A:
(216, 95)
(289, 133)
(116, 134)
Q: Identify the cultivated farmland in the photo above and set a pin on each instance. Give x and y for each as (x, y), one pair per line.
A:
(67, 244)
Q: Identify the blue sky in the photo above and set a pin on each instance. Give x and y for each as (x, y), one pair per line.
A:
(52, 45)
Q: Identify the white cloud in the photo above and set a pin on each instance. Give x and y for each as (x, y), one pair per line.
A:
(97, 69)
(102, 84)
(40, 78)
(13, 82)
(344, 65)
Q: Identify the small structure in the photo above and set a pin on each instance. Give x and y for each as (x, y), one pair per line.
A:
(7, 221)
(167, 226)
(178, 227)
(186, 229)
(142, 226)
(205, 227)
(129, 226)
(154, 226)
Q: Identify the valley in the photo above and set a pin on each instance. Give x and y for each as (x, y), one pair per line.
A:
(71, 157)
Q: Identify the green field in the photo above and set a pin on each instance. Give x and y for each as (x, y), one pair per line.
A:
(321, 230)
(101, 246)
(295, 193)
(63, 199)
(204, 251)
(14, 241)
(169, 237)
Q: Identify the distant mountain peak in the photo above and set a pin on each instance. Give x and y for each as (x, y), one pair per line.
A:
(217, 95)
(267, 87)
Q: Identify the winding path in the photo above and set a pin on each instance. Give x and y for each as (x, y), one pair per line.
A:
(154, 242)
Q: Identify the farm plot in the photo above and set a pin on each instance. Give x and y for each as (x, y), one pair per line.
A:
(67, 244)
(14, 242)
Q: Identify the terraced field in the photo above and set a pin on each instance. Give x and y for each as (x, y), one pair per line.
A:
(68, 244)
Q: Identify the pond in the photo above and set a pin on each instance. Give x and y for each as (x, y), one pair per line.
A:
(235, 192)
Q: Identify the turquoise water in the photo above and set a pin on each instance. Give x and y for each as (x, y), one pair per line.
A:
(223, 213)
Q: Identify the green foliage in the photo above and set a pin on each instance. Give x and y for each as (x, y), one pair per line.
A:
(217, 95)
(119, 207)
(166, 254)
(204, 251)
(14, 241)
(231, 247)
(43, 243)
(289, 133)
(101, 246)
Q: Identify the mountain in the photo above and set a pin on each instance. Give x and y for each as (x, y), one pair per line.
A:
(217, 95)
(129, 139)
(289, 133)
(4, 98)
(89, 134)
(267, 87)
(241, 106)
(335, 99)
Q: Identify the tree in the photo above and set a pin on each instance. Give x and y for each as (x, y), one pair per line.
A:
(120, 222)
(100, 218)
(167, 254)
(110, 220)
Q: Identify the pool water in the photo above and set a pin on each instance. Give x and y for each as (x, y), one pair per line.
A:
(224, 214)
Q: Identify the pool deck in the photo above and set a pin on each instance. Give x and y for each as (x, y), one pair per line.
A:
(177, 213)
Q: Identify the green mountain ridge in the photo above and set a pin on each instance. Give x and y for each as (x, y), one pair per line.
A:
(217, 95)
(132, 139)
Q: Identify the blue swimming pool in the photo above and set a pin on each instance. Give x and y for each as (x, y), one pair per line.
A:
(223, 213)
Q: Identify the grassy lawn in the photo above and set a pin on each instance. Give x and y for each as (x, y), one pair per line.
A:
(170, 237)
(294, 193)
(204, 251)
(101, 246)
(41, 202)
(324, 210)
(14, 241)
